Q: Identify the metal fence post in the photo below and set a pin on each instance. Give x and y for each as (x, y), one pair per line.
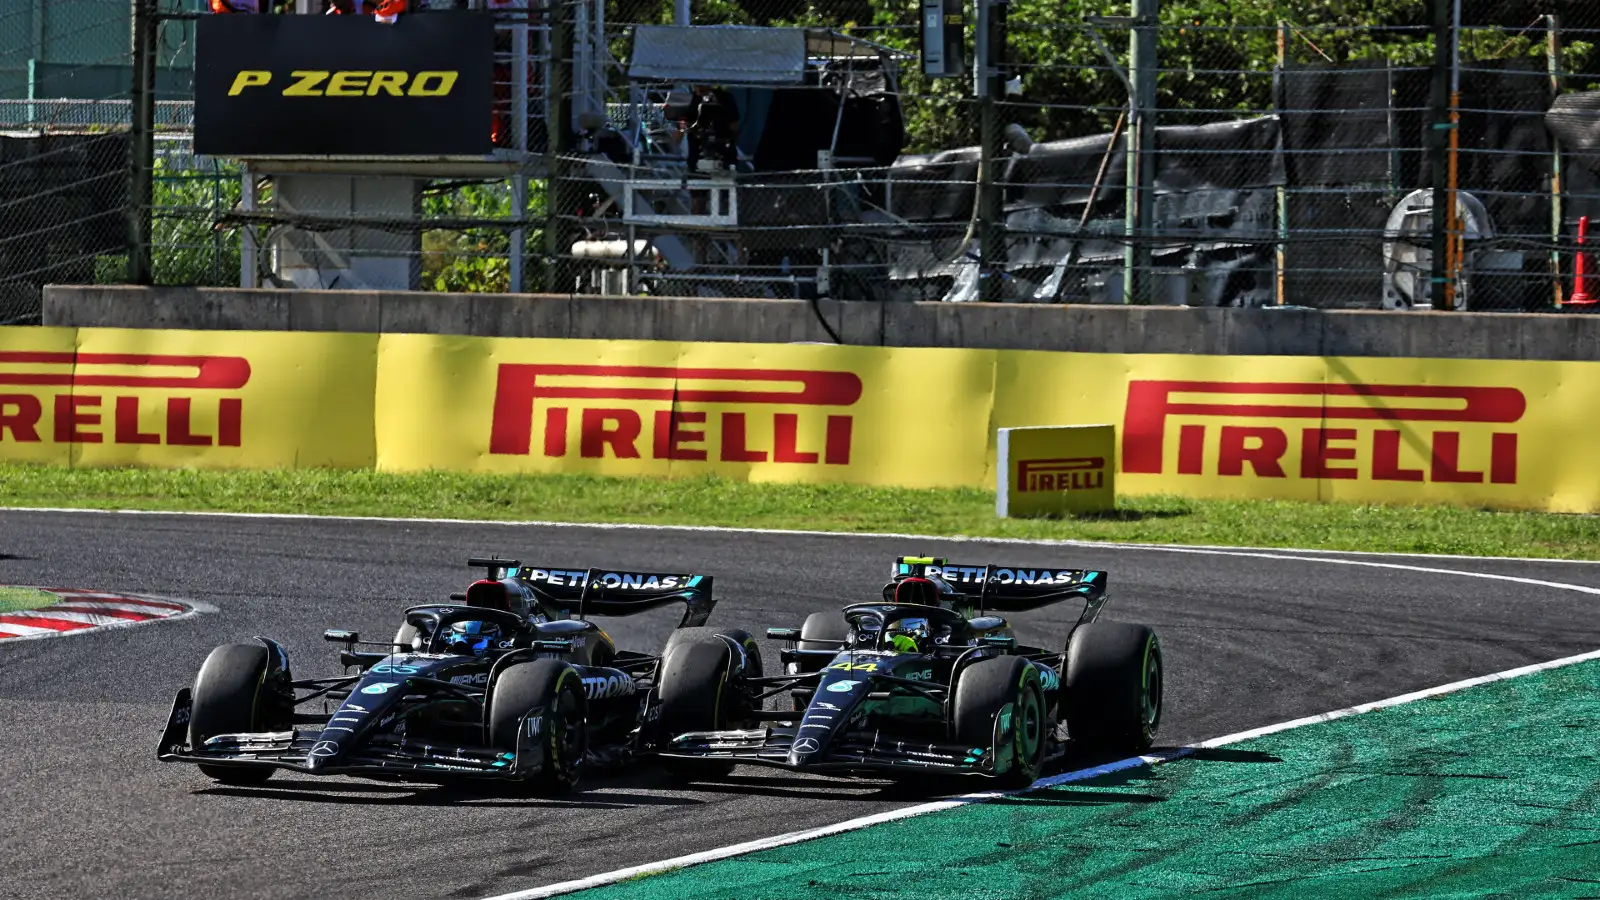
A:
(142, 144)
(990, 77)
(1142, 151)
(558, 119)
(1440, 291)
(1279, 102)
(1552, 24)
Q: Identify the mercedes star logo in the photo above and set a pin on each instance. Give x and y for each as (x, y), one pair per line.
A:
(325, 748)
(805, 745)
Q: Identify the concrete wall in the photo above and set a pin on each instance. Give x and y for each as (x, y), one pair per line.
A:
(1106, 329)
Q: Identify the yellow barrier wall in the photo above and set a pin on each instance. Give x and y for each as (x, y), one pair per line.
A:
(1493, 433)
(760, 412)
(116, 397)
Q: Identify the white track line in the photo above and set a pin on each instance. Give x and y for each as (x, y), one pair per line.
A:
(797, 837)
(723, 529)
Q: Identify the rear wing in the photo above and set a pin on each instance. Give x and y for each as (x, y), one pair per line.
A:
(608, 592)
(995, 588)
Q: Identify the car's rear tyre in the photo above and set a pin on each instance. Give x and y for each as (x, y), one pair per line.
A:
(1113, 687)
(231, 696)
(984, 691)
(555, 690)
(697, 694)
(705, 633)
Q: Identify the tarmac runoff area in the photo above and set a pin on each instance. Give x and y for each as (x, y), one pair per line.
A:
(1494, 782)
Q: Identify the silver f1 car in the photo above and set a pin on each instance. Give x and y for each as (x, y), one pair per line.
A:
(929, 680)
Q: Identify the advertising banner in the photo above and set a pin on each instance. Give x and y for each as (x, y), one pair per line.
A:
(746, 411)
(114, 397)
(1482, 432)
(35, 369)
(344, 85)
(1050, 470)
(1499, 434)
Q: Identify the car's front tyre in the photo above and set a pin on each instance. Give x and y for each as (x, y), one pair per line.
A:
(553, 690)
(994, 689)
(697, 693)
(231, 696)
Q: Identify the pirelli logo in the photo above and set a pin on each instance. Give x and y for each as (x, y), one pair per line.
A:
(710, 414)
(1079, 473)
(90, 401)
(1451, 434)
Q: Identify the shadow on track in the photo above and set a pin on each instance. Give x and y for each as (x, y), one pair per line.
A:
(427, 795)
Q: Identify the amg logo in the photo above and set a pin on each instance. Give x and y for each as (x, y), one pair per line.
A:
(80, 414)
(349, 83)
(1079, 473)
(1325, 452)
(605, 429)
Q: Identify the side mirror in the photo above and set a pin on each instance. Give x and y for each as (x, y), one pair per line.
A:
(554, 646)
(340, 636)
(997, 640)
(783, 634)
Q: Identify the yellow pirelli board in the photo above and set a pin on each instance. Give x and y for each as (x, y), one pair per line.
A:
(1493, 433)
(1054, 470)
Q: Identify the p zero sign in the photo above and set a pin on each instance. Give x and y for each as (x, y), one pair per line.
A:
(1282, 430)
(344, 85)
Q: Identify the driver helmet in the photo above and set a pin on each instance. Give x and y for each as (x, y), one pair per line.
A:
(471, 637)
(909, 635)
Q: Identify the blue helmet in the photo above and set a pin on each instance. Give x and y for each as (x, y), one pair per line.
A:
(472, 637)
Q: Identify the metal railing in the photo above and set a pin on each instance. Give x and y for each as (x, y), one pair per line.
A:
(1234, 160)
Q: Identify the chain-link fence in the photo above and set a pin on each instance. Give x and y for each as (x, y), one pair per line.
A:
(1247, 153)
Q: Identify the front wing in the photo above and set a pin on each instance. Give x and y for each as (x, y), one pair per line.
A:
(383, 755)
(851, 751)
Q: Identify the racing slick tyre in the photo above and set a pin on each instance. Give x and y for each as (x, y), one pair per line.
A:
(556, 688)
(704, 634)
(983, 692)
(231, 697)
(697, 694)
(1112, 687)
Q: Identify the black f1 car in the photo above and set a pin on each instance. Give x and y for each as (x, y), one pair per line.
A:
(928, 680)
(510, 682)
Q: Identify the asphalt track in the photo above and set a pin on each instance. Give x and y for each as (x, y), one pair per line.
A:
(1250, 641)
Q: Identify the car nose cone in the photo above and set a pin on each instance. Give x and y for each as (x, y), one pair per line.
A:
(803, 751)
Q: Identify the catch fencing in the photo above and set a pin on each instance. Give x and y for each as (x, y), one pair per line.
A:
(1247, 155)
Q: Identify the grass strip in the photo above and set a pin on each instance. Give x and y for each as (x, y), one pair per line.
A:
(844, 508)
(17, 599)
